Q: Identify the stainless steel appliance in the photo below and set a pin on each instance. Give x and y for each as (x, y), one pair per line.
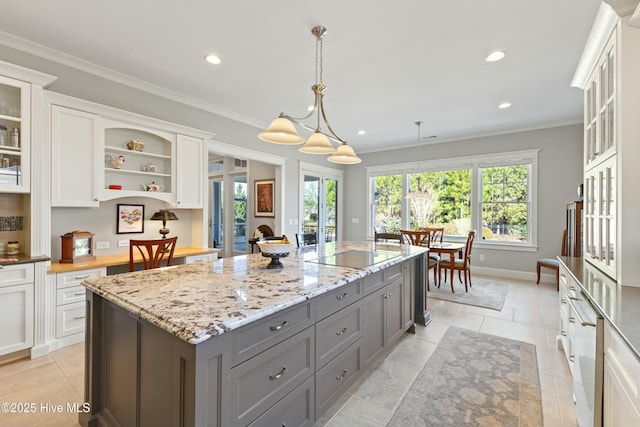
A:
(587, 355)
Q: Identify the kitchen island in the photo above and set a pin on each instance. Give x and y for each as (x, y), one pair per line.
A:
(231, 343)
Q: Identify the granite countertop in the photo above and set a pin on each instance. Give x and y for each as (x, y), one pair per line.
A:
(21, 259)
(619, 304)
(198, 301)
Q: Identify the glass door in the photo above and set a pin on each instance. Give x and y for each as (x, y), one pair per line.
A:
(240, 214)
(216, 220)
(320, 210)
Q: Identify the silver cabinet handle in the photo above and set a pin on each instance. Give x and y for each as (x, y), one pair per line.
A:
(387, 295)
(280, 326)
(79, 293)
(82, 277)
(572, 320)
(79, 317)
(341, 377)
(563, 333)
(342, 332)
(343, 296)
(279, 374)
(571, 358)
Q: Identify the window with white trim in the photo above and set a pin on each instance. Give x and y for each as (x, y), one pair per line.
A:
(495, 193)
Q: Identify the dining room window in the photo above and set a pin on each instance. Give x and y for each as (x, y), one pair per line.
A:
(494, 194)
(386, 206)
(441, 199)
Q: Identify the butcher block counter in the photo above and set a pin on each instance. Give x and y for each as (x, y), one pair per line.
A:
(232, 343)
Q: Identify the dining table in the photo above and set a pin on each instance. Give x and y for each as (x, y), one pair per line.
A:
(450, 248)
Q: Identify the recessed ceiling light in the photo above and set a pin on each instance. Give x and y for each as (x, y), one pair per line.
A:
(361, 132)
(212, 59)
(494, 56)
(504, 105)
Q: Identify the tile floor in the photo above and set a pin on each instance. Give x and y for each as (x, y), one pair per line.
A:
(530, 314)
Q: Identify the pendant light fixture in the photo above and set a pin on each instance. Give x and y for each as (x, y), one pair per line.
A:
(283, 131)
(420, 194)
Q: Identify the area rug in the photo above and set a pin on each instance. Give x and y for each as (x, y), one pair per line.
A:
(474, 379)
(485, 293)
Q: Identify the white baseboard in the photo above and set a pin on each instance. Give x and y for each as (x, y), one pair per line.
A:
(513, 274)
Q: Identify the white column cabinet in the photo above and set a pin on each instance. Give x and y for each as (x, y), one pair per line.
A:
(16, 306)
(15, 113)
(608, 74)
(74, 157)
(191, 172)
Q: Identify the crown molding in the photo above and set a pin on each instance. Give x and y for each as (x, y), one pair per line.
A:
(26, 74)
(634, 21)
(604, 24)
(623, 7)
(59, 57)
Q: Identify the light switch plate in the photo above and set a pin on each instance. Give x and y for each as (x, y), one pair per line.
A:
(102, 245)
(123, 243)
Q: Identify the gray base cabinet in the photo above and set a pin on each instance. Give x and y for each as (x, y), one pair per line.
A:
(285, 369)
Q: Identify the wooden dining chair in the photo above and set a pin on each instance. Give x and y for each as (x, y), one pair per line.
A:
(436, 235)
(415, 237)
(386, 237)
(552, 263)
(420, 238)
(153, 252)
(463, 264)
(306, 239)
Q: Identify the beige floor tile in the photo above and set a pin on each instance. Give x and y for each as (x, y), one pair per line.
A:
(433, 332)
(549, 395)
(452, 315)
(565, 400)
(506, 313)
(534, 316)
(360, 413)
(553, 362)
(532, 334)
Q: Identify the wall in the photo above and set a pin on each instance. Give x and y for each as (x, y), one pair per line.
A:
(101, 221)
(559, 173)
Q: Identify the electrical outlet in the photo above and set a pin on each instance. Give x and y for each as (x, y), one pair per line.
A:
(102, 245)
(481, 258)
(123, 243)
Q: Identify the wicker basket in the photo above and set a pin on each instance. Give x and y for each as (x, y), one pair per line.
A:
(135, 145)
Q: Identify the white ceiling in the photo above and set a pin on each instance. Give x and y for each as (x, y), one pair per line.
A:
(386, 64)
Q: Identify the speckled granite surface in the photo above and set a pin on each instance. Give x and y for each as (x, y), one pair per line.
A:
(198, 301)
(620, 305)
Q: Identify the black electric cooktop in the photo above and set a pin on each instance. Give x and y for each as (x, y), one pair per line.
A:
(355, 258)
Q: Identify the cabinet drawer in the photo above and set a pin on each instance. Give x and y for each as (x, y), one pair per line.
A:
(75, 278)
(337, 299)
(295, 410)
(373, 282)
(200, 258)
(16, 274)
(256, 337)
(623, 361)
(70, 319)
(336, 377)
(262, 381)
(393, 273)
(337, 332)
(70, 295)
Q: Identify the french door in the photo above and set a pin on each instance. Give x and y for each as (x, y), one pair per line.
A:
(321, 203)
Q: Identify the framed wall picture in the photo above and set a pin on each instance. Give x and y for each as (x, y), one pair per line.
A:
(130, 219)
(264, 197)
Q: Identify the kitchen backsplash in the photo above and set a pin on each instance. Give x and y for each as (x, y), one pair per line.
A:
(12, 221)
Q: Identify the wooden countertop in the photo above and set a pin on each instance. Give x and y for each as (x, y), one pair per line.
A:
(120, 259)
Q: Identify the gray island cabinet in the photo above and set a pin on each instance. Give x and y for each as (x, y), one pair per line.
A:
(231, 343)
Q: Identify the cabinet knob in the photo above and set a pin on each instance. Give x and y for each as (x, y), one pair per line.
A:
(342, 332)
(344, 374)
(343, 296)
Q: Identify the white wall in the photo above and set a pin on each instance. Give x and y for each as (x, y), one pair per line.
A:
(559, 173)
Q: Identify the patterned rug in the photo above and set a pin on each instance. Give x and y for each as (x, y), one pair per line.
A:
(487, 293)
(474, 379)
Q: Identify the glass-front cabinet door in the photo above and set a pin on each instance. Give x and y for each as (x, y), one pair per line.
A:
(600, 216)
(14, 135)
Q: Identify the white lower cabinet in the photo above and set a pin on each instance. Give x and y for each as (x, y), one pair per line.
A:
(71, 305)
(16, 306)
(621, 406)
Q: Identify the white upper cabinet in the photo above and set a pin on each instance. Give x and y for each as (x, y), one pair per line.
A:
(75, 139)
(191, 172)
(15, 135)
(100, 153)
